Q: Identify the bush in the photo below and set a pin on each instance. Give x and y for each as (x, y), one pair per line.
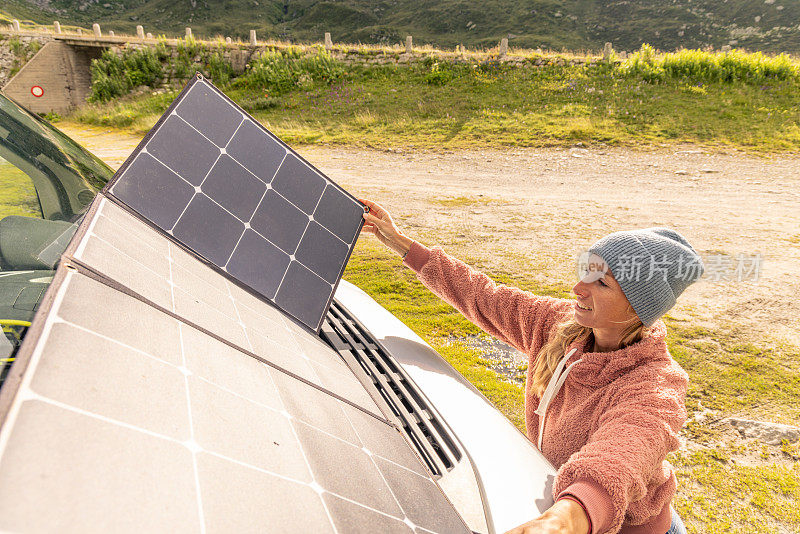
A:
(190, 54)
(16, 46)
(115, 74)
(218, 70)
(280, 71)
(438, 75)
(643, 64)
(709, 67)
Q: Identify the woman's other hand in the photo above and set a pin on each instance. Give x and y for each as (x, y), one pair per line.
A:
(379, 223)
(564, 517)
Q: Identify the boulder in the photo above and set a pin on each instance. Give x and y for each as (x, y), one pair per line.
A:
(769, 433)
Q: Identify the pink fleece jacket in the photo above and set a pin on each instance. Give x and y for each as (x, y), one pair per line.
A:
(617, 415)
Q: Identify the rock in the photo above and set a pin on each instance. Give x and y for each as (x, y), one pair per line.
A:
(682, 173)
(769, 433)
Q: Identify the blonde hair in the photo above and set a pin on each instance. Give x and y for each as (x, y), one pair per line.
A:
(564, 334)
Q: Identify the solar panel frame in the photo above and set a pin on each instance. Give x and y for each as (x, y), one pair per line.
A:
(295, 316)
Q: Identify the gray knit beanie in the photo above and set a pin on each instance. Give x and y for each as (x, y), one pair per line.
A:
(653, 266)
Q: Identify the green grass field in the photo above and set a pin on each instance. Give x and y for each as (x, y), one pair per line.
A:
(440, 105)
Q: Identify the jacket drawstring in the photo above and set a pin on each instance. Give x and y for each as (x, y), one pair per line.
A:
(552, 389)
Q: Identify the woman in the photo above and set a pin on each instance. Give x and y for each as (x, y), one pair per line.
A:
(604, 400)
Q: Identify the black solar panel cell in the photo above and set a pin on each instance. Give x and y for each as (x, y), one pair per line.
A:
(302, 293)
(322, 252)
(256, 150)
(258, 263)
(279, 221)
(234, 187)
(183, 149)
(351, 517)
(207, 111)
(208, 229)
(299, 183)
(336, 212)
(421, 500)
(154, 191)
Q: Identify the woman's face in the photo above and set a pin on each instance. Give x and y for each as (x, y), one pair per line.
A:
(600, 301)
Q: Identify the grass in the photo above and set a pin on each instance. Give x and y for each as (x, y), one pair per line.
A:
(720, 496)
(463, 201)
(486, 104)
(717, 493)
(730, 374)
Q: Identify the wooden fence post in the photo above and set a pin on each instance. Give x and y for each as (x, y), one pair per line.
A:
(328, 42)
(409, 44)
(253, 38)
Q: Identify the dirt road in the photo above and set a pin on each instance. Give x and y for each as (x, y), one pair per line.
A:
(533, 211)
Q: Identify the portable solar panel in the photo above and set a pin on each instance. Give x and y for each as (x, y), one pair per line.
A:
(226, 188)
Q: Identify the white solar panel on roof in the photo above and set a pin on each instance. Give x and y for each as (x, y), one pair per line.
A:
(221, 184)
(153, 395)
(174, 431)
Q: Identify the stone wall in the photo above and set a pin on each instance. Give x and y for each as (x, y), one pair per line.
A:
(359, 57)
(70, 54)
(238, 54)
(15, 51)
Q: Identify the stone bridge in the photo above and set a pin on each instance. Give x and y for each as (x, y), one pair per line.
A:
(58, 77)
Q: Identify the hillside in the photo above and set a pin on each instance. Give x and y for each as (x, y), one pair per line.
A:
(767, 25)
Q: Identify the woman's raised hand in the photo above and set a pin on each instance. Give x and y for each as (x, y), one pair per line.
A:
(379, 223)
